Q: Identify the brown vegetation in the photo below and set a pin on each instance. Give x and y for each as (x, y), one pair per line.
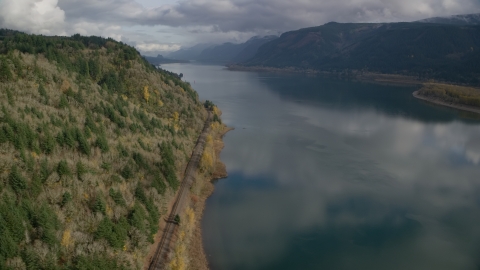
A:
(99, 157)
(188, 249)
(452, 94)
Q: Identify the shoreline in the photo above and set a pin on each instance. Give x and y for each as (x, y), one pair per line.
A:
(163, 241)
(446, 104)
(353, 74)
(196, 249)
(372, 77)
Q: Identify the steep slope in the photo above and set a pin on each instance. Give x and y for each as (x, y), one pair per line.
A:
(445, 52)
(230, 52)
(92, 142)
(221, 53)
(310, 47)
(251, 47)
(188, 54)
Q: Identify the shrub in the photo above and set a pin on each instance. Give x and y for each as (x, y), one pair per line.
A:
(11, 228)
(99, 204)
(158, 183)
(115, 234)
(44, 171)
(126, 172)
(115, 178)
(11, 100)
(5, 72)
(66, 197)
(9, 133)
(3, 135)
(143, 145)
(16, 180)
(136, 218)
(151, 208)
(117, 197)
(89, 123)
(102, 143)
(43, 93)
(216, 118)
(78, 96)
(67, 137)
(83, 144)
(167, 166)
(81, 170)
(47, 143)
(176, 219)
(63, 169)
(46, 221)
(106, 166)
(140, 161)
(122, 150)
(63, 102)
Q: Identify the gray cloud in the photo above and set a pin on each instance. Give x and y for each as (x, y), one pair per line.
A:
(283, 15)
(189, 21)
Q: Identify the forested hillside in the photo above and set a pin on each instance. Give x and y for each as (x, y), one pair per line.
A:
(427, 51)
(93, 140)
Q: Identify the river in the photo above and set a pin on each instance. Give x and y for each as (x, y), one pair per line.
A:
(332, 174)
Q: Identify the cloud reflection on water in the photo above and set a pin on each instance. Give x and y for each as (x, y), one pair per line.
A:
(322, 178)
(328, 159)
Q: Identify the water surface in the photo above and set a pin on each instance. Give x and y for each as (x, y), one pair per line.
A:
(330, 174)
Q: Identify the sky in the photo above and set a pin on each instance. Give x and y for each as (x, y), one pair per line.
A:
(163, 26)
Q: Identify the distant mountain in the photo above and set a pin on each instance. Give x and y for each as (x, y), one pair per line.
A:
(448, 52)
(224, 53)
(162, 60)
(229, 52)
(251, 48)
(221, 53)
(467, 19)
(191, 53)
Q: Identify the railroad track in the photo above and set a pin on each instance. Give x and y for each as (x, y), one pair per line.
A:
(163, 247)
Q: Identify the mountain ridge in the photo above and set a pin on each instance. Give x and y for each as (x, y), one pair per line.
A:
(462, 19)
(428, 51)
(224, 53)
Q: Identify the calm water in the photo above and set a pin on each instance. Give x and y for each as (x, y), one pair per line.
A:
(328, 174)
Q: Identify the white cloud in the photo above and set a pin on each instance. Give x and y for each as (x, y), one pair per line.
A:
(97, 29)
(35, 16)
(155, 47)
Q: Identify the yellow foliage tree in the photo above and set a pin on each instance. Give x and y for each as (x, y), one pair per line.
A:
(216, 110)
(146, 94)
(175, 116)
(206, 161)
(67, 238)
(190, 216)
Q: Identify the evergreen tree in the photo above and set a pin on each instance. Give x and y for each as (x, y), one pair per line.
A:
(5, 72)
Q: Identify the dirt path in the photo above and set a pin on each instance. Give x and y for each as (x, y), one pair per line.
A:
(163, 247)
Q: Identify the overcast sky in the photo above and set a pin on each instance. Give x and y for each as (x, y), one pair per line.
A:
(167, 25)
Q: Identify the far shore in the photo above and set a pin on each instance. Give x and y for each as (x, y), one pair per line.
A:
(443, 103)
(396, 79)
